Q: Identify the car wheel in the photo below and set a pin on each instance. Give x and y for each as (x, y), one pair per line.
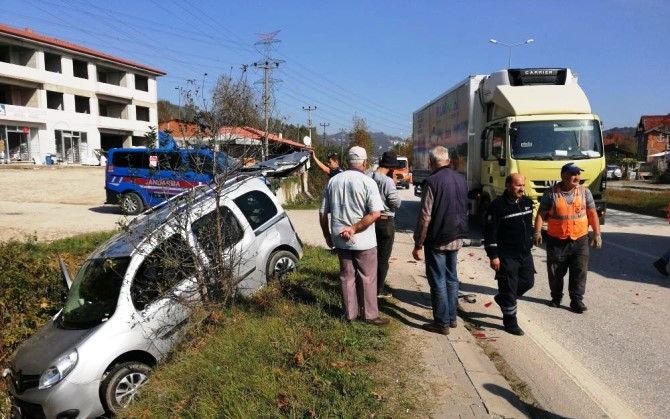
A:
(122, 384)
(281, 263)
(131, 203)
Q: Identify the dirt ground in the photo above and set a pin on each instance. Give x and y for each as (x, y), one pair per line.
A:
(53, 202)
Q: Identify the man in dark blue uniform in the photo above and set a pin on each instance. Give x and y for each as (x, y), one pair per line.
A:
(508, 237)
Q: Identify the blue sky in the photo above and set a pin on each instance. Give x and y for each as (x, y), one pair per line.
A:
(377, 60)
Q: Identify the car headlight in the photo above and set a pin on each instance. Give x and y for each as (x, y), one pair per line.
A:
(59, 370)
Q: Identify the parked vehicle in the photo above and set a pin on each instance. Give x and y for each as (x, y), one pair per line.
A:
(402, 174)
(128, 303)
(529, 121)
(139, 178)
(613, 172)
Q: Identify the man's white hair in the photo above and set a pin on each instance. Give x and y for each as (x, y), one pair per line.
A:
(439, 154)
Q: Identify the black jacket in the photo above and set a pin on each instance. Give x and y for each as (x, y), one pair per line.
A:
(508, 231)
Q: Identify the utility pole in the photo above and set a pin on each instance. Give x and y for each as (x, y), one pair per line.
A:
(309, 110)
(324, 125)
(267, 64)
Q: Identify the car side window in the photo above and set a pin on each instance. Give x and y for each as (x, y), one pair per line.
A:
(206, 232)
(168, 264)
(257, 207)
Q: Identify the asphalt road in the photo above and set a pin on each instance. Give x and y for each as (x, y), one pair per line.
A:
(610, 361)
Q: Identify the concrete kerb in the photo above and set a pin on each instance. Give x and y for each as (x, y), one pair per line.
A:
(461, 379)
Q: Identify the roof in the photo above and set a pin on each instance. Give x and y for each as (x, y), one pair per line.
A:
(28, 34)
(181, 129)
(654, 122)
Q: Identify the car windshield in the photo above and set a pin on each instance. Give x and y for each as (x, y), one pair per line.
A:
(556, 140)
(94, 293)
(226, 161)
(402, 164)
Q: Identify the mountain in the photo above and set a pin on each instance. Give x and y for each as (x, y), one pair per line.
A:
(625, 131)
(381, 141)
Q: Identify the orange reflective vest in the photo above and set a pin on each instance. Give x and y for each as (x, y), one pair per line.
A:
(567, 221)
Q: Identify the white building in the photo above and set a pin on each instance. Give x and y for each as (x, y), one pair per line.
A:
(59, 101)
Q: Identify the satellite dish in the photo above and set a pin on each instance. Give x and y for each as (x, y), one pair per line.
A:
(307, 140)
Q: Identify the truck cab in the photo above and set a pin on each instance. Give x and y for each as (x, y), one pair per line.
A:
(402, 174)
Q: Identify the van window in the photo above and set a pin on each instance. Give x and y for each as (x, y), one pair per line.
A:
(168, 264)
(133, 159)
(257, 207)
(200, 163)
(169, 161)
(205, 230)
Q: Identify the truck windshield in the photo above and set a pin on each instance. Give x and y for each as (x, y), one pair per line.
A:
(94, 293)
(556, 140)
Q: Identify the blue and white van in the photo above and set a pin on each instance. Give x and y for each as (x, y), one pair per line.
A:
(138, 178)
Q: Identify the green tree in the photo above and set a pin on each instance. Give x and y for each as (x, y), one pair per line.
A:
(359, 136)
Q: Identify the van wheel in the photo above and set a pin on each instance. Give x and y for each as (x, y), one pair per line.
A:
(122, 384)
(131, 203)
(280, 265)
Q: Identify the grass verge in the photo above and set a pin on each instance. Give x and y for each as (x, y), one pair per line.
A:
(654, 203)
(286, 353)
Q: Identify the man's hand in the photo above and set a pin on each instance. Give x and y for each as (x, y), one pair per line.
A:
(495, 264)
(596, 241)
(417, 253)
(329, 242)
(537, 238)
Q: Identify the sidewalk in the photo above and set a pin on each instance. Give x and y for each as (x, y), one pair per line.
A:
(461, 378)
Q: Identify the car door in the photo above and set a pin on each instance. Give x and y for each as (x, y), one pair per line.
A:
(164, 290)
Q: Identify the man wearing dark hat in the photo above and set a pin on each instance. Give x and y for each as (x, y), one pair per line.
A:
(385, 224)
(569, 210)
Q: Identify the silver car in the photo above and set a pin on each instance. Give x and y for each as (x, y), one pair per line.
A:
(127, 306)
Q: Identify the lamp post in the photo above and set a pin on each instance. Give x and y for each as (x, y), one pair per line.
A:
(510, 46)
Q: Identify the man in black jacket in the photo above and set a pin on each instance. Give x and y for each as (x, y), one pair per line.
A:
(508, 238)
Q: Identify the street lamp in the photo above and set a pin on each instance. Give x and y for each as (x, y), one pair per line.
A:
(510, 46)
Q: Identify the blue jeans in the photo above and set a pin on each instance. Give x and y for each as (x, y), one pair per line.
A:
(443, 280)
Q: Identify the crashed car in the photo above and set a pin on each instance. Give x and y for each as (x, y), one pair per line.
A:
(129, 302)
(613, 172)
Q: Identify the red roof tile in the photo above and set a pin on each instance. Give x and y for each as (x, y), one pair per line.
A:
(29, 34)
(650, 122)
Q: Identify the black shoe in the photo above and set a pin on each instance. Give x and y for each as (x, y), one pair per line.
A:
(578, 306)
(660, 267)
(556, 303)
(514, 330)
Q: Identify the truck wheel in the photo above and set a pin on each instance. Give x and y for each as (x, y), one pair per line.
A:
(131, 203)
(281, 264)
(121, 385)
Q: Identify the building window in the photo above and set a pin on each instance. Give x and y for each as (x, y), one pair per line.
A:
(52, 62)
(142, 113)
(16, 147)
(112, 109)
(80, 69)
(141, 83)
(111, 76)
(82, 104)
(55, 100)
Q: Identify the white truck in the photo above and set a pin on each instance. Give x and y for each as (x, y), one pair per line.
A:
(529, 121)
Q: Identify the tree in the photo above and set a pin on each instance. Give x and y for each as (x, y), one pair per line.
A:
(235, 104)
(359, 136)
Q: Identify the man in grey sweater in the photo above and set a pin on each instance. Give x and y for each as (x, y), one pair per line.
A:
(385, 225)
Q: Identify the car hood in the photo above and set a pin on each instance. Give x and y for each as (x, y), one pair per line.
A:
(50, 342)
